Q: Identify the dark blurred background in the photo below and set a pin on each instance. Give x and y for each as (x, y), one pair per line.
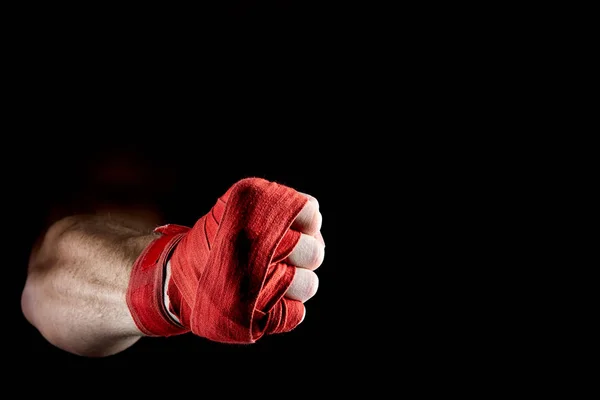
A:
(158, 117)
(102, 133)
(156, 112)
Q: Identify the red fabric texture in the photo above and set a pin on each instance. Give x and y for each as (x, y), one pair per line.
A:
(228, 277)
(145, 290)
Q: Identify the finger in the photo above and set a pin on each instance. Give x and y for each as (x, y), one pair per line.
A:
(310, 219)
(308, 253)
(285, 316)
(304, 285)
(319, 237)
(303, 315)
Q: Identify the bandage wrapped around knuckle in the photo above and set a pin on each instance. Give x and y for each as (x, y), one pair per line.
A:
(228, 278)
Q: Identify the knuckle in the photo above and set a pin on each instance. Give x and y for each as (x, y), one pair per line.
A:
(318, 221)
(317, 254)
(314, 201)
(312, 286)
(250, 186)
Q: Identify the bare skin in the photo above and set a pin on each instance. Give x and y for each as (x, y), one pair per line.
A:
(79, 273)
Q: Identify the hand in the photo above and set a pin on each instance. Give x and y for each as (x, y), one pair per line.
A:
(246, 268)
(308, 254)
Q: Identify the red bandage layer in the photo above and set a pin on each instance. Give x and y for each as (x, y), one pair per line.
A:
(145, 291)
(228, 278)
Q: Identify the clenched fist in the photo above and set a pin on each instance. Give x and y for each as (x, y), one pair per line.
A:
(242, 271)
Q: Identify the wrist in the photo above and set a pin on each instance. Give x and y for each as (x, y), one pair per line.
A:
(146, 290)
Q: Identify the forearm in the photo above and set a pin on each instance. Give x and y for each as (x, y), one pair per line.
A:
(75, 293)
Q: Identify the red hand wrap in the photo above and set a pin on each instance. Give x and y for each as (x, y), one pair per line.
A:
(145, 291)
(228, 278)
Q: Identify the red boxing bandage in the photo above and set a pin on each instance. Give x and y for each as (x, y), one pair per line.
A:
(228, 278)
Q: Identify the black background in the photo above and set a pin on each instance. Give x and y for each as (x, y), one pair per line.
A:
(294, 92)
(401, 122)
(97, 128)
